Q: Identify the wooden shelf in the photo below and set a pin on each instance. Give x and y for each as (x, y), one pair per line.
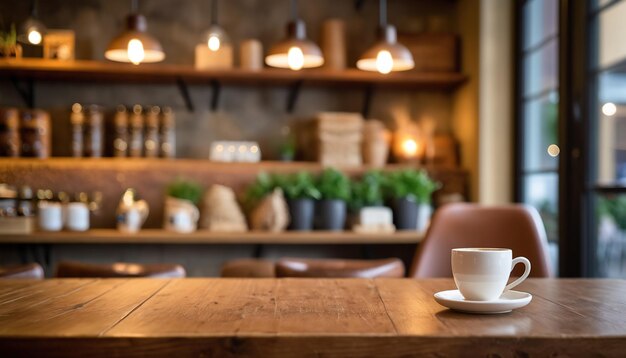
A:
(158, 236)
(181, 165)
(41, 69)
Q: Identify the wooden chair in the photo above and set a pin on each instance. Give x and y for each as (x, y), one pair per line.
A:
(517, 227)
(119, 269)
(296, 267)
(28, 271)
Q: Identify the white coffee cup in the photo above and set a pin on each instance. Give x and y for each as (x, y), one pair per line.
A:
(481, 274)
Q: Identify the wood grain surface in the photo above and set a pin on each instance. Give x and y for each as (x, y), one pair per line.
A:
(159, 236)
(81, 70)
(302, 318)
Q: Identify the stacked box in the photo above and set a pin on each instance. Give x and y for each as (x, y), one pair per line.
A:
(333, 139)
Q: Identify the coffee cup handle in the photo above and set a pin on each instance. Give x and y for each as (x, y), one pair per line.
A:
(516, 261)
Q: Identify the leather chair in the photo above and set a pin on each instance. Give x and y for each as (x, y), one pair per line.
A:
(254, 268)
(29, 271)
(119, 269)
(517, 227)
(292, 267)
(295, 267)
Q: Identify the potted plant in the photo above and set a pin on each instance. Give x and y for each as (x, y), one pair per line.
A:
(262, 186)
(409, 193)
(366, 204)
(8, 44)
(301, 193)
(181, 211)
(367, 191)
(334, 188)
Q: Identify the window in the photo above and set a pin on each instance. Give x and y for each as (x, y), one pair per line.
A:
(537, 118)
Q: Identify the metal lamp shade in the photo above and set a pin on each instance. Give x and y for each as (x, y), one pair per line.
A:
(136, 29)
(400, 55)
(278, 55)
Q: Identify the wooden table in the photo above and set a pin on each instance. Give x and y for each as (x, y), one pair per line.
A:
(302, 317)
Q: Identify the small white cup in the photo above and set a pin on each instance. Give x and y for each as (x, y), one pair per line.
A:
(50, 216)
(77, 218)
(481, 274)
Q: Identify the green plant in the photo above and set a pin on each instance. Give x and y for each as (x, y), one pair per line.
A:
(8, 39)
(333, 185)
(415, 184)
(300, 185)
(263, 185)
(367, 191)
(614, 208)
(185, 189)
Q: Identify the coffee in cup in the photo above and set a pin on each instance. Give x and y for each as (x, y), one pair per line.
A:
(481, 274)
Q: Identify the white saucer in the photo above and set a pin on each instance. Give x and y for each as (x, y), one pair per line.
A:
(509, 301)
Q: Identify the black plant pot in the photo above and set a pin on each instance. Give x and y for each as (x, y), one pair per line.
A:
(301, 213)
(404, 213)
(330, 215)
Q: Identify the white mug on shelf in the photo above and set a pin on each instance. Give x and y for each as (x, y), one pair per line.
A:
(131, 215)
(77, 218)
(180, 215)
(50, 216)
(481, 274)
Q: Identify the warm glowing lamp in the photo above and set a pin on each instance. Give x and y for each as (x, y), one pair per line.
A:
(295, 51)
(135, 45)
(387, 55)
(32, 30)
(215, 37)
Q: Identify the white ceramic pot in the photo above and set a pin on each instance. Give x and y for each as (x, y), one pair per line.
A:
(180, 215)
(50, 216)
(77, 217)
(424, 213)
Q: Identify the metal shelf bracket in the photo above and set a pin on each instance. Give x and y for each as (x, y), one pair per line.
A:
(26, 90)
(292, 97)
(184, 92)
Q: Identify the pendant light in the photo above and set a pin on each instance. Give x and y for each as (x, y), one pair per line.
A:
(134, 44)
(295, 51)
(32, 30)
(387, 55)
(215, 37)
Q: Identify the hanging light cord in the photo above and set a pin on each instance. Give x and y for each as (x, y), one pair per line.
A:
(382, 13)
(34, 9)
(294, 10)
(213, 12)
(134, 6)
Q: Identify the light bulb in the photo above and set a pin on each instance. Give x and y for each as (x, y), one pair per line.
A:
(409, 146)
(34, 37)
(609, 109)
(295, 58)
(553, 150)
(214, 43)
(384, 62)
(135, 51)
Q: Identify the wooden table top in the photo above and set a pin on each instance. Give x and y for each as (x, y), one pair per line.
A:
(302, 317)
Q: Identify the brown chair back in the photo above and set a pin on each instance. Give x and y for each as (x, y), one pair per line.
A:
(119, 269)
(27, 271)
(248, 268)
(294, 267)
(517, 227)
